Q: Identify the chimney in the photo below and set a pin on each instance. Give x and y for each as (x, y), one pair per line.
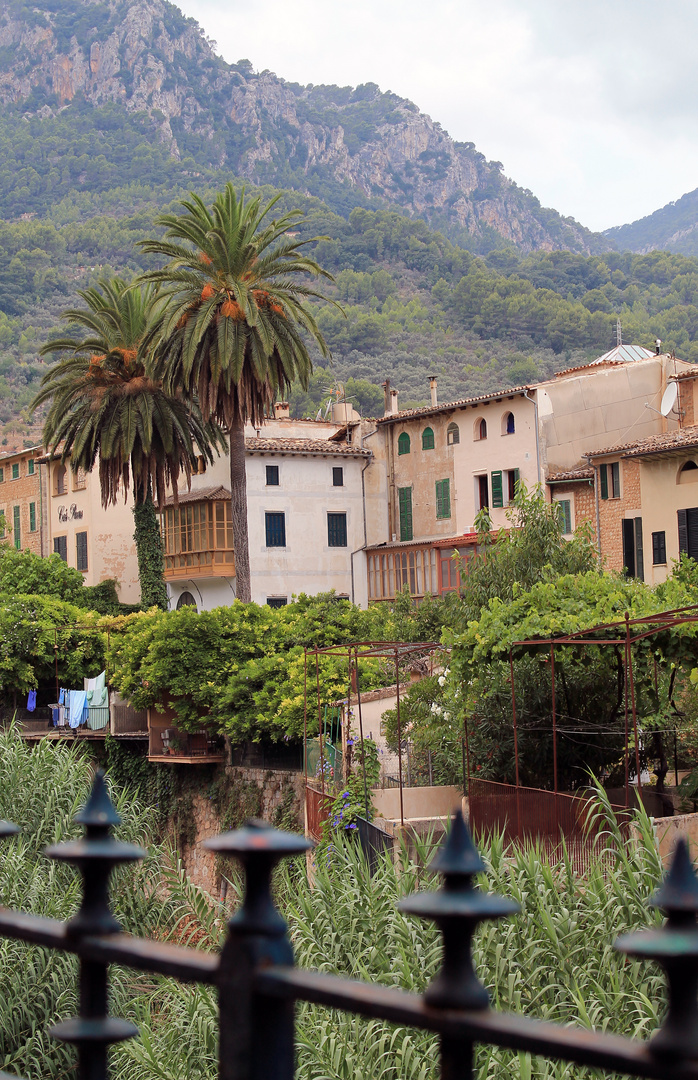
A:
(657, 346)
(432, 387)
(393, 402)
(282, 410)
(386, 397)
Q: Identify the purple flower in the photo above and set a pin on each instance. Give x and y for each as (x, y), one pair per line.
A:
(351, 826)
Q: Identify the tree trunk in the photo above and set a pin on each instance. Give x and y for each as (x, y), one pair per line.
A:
(151, 561)
(238, 500)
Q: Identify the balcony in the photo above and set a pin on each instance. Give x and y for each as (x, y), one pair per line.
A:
(197, 535)
(167, 745)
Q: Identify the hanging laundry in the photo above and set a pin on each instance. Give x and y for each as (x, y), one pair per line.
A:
(78, 704)
(97, 689)
(31, 701)
(61, 696)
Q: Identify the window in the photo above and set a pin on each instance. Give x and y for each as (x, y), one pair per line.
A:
(15, 471)
(186, 600)
(443, 499)
(32, 517)
(497, 490)
(60, 547)
(632, 548)
(480, 429)
(272, 475)
(337, 530)
(79, 480)
(277, 601)
(427, 439)
(17, 532)
(275, 525)
(337, 476)
(81, 551)
(565, 512)
(403, 443)
(688, 532)
(59, 480)
(688, 473)
(30, 467)
(609, 476)
(659, 549)
(482, 492)
(405, 506)
(512, 481)
(452, 435)
(3, 524)
(2, 476)
(508, 424)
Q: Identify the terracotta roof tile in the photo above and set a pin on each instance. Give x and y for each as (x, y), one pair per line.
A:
(448, 406)
(684, 438)
(561, 476)
(689, 372)
(209, 494)
(303, 446)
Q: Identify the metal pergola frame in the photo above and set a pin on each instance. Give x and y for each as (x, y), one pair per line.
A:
(621, 634)
(353, 652)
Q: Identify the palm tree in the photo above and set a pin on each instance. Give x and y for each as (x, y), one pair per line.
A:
(234, 329)
(105, 404)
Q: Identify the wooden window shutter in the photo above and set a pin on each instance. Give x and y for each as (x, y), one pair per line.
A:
(683, 531)
(603, 478)
(443, 498)
(405, 506)
(629, 546)
(497, 492)
(639, 555)
(658, 548)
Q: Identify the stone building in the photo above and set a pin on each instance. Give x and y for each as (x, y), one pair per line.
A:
(23, 500)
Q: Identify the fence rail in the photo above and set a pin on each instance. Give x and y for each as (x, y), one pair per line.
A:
(258, 985)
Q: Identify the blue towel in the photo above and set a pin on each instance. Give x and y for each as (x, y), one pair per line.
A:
(31, 701)
(61, 696)
(78, 704)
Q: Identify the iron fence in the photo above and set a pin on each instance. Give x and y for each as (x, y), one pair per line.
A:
(374, 841)
(258, 985)
(549, 819)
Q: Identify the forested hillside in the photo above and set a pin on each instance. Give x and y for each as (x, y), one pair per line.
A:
(673, 228)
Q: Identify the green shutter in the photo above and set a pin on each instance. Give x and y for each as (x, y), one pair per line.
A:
(403, 443)
(405, 504)
(443, 498)
(30, 467)
(32, 517)
(497, 492)
(603, 474)
(428, 439)
(17, 536)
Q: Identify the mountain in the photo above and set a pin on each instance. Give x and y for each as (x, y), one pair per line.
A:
(143, 70)
(673, 228)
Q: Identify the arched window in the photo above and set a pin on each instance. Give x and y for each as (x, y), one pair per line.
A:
(480, 429)
(403, 443)
(427, 439)
(186, 600)
(508, 424)
(688, 473)
(452, 434)
(60, 480)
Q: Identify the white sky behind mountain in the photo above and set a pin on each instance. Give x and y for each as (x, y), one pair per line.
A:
(589, 103)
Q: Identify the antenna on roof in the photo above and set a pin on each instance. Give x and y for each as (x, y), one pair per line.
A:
(619, 334)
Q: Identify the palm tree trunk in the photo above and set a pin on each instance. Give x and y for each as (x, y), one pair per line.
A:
(238, 501)
(151, 561)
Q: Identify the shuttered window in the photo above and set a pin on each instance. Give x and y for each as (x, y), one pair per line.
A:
(615, 480)
(482, 492)
(513, 479)
(81, 550)
(497, 490)
(405, 507)
(337, 476)
(443, 498)
(17, 534)
(272, 475)
(659, 548)
(603, 481)
(427, 439)
(403, 443)
(565, 510)
(633, 556)
(275, 528)
(688, 532)
(32, 517)
(60, 547)
(337, 530)
(15, 471)
(30, 467)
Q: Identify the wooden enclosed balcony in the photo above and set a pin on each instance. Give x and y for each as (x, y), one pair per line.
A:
(197, 535)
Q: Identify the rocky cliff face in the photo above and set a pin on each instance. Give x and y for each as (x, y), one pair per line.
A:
(146, 56)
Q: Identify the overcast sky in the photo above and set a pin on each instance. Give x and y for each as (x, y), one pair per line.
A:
(589, 103)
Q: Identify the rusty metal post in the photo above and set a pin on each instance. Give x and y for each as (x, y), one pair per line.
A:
(305, 717)
(625, 697)
(399, 737)
(552, 680)
(632, 702)
(361, 733)
(55, 657)
(513, 710)
(319, 721)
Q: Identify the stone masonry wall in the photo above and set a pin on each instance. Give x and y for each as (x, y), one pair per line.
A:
(263, 788)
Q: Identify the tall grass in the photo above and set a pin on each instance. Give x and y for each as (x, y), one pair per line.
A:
(555, 960)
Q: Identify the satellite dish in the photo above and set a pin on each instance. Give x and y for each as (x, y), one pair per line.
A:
(669, 399)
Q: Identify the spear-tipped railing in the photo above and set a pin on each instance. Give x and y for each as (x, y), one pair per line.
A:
(258, 984)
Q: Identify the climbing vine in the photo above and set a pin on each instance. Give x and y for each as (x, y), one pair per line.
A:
(151, 562)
